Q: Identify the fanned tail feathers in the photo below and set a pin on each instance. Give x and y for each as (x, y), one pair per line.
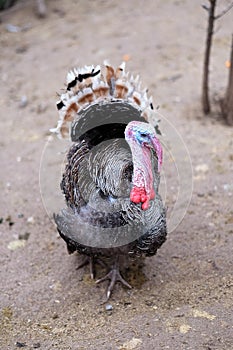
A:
(90, 85)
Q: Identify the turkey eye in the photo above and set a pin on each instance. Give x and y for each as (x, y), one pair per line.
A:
(144, 135)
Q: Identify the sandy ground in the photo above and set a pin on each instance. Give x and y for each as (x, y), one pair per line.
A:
(182, 297)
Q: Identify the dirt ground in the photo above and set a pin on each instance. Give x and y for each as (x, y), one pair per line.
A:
(182, 297)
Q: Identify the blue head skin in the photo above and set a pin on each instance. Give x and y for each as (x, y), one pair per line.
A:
(142, 137)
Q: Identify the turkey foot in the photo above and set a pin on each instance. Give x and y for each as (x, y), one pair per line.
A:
(114, 276)
(91, 260)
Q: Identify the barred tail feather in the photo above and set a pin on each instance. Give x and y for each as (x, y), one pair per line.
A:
(90, 85)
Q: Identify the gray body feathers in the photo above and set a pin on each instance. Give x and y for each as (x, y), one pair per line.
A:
(96, 184)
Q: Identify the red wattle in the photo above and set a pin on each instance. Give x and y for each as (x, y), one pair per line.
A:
(138, 195)
(145, 205)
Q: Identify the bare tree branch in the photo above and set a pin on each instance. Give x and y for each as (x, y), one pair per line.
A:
(205, 7)
(224, 11)
(205, 81)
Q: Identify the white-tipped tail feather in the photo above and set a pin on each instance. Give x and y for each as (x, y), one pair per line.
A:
(90, 85)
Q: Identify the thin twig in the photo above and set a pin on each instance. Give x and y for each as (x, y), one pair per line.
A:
(205, 7)
(224, 11)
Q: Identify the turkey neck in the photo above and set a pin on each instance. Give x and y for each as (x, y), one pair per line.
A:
(142, 190)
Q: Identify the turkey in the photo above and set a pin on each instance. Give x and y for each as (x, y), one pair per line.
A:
(111, 179)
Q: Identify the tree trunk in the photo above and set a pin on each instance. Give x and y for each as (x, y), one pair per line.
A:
(227, 103)
(205, 83)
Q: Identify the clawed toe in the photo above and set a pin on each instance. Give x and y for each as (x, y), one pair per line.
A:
(114, 276)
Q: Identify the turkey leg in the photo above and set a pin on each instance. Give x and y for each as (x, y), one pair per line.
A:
(91, 260)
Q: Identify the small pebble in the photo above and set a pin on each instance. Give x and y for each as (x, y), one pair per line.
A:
(23, 102)
(20, 345)
(200, 194)
(31, 220)
(24, 236)
(36, 346)
(202, 168)
(13, 245)
(228, 187)
(11, 28)
(108, 307)
(9, 220)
